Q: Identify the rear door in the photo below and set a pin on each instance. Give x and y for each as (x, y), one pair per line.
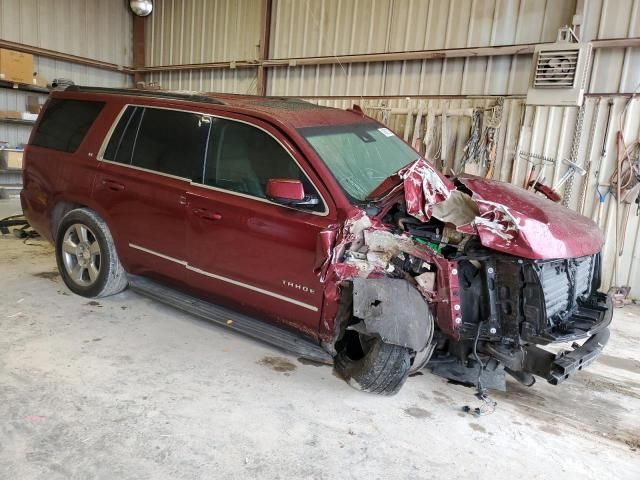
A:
(246, 250)
(145, 172)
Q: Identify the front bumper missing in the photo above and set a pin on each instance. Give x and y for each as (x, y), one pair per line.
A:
(556, 368)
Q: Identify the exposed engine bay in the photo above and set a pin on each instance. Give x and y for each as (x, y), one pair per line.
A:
(466, 282)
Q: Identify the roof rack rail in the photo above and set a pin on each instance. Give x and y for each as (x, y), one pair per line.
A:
(193, 97)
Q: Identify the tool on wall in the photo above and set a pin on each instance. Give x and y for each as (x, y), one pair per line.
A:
(573, 159)
(602, 199)
(489, 143)
(625, 186)
(530, 182)
(588, 160)
(481, 145)
(551, 193)
(573, 169)
(625, 183)
(599, 207)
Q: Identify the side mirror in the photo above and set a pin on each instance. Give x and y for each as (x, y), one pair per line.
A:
(288, 191)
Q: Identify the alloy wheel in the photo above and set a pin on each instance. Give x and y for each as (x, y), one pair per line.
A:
(81, 255)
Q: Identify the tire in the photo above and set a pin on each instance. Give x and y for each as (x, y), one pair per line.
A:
(382, 369)
(86, 255)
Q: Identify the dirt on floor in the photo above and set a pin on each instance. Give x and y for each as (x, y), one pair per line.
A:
(124, 387)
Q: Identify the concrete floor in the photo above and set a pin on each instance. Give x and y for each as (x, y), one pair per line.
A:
(126, 388)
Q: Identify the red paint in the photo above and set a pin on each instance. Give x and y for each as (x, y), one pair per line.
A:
(545, 229)
(285, 188)
(423, 186)
(287, 252)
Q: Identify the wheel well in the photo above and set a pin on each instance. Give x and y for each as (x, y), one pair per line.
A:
(58, 212)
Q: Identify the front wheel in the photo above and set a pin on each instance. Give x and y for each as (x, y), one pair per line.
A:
(370, 365)
(86, 255)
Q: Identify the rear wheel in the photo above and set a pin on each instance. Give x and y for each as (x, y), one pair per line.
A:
(86, 255)
(370, 365)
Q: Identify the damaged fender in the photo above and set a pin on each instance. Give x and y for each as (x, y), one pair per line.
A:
(394, 310)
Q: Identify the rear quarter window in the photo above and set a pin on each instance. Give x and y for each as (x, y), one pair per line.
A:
(65, 123)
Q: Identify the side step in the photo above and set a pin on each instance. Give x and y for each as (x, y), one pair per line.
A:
(252, 327)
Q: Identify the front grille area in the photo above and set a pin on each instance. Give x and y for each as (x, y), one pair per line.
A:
(563, 282)
(540, 301)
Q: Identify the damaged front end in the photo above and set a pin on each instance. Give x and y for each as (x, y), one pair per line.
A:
(478, 277)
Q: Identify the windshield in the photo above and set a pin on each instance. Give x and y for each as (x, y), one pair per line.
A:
(360, 155)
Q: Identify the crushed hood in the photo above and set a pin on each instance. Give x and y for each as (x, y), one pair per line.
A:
(521, 223)
(505, 217)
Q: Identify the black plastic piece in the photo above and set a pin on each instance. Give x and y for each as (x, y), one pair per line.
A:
(260, 330)
(569, 363)
(191, 97)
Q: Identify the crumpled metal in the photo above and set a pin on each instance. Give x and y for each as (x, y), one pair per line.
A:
(423, 188)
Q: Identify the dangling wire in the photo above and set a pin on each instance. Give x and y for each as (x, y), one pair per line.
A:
(488, 405)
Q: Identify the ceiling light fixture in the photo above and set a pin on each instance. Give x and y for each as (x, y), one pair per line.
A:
(142, 8)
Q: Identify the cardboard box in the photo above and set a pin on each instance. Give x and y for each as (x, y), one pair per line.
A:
(40, 81)
(16, 66)
(11, 115)
(11, 159)
(33, 104)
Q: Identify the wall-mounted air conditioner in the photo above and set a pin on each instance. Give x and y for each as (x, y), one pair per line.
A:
(560, 73)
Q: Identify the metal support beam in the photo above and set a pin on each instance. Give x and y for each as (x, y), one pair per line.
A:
(265, 36)
(264, 62)
(521, 49)
(65, 57)
(138, 48)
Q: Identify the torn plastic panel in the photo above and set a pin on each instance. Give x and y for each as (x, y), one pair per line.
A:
(365, 248)
(394, 310)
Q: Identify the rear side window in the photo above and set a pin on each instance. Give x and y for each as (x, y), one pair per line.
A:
(120, 147)
(65, 123)
(165, 141)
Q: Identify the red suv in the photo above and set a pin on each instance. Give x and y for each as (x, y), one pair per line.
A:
(315, 229)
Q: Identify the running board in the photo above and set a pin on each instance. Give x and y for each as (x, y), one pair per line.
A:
(263, 331)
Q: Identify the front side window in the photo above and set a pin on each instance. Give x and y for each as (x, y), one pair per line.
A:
(360, 155)
(242, 158)
(166, 141)
(65, 123)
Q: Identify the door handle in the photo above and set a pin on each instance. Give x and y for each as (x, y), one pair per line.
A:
(206, 215)
(112, 185)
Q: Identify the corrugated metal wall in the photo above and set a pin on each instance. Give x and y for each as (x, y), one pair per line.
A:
(302, 28)
(95, 29)
(198, 31)
(335, 27)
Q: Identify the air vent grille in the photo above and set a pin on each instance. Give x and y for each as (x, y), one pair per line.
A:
(556, 69)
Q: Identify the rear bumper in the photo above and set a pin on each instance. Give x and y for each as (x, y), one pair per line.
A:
(556, 368)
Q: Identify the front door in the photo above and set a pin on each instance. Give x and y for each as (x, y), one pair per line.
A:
(142, 184)
(246, 250)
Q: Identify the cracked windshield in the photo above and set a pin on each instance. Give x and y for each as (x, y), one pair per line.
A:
(360, 156)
